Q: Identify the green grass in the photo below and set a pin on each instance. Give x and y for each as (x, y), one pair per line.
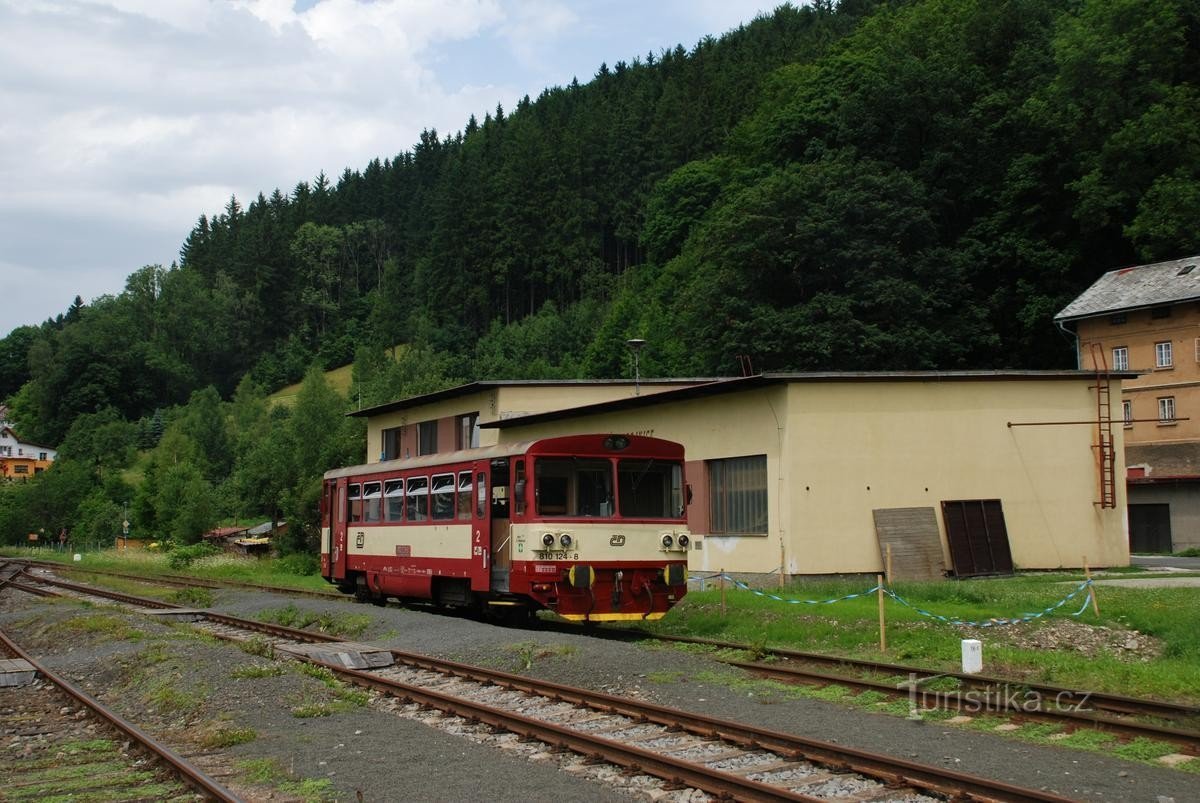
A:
(269, 772)
(226, 737)
(334, 623)
(264, 571)
(851, 629)
(249, 671)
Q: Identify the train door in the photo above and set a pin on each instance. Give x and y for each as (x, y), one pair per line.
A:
(337, 534)
(475, 483)
(501, 524)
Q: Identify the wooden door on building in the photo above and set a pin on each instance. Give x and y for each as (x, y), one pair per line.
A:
(1150, 528)
(977, 537)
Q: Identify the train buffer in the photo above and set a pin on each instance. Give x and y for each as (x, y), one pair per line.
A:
(343, 653)
(16, 672)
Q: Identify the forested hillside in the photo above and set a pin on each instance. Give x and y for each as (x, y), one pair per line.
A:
(871, 185)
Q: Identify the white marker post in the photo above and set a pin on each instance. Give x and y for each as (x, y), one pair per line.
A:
(972, 656)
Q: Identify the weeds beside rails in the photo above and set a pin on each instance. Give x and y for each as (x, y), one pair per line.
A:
(883, 589)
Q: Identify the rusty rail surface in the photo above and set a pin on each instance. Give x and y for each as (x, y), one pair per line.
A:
(1113, 703)
(190, 774)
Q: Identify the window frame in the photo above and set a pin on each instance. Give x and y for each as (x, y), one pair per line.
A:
(1120, 358)
(755, 501)
(1164, 349)
(1166, 404)
(1127, 413)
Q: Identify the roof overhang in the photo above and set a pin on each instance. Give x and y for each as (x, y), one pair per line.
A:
(742, 384)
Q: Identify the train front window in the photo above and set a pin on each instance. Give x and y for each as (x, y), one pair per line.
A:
(572, 486)
(650, 489)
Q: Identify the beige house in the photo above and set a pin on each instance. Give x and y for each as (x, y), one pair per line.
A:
(816, 471)
(1146, 319)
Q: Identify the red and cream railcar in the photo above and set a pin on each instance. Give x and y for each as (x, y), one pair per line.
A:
(590, 526)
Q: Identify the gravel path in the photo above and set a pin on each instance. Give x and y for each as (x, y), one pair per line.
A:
(387, 758)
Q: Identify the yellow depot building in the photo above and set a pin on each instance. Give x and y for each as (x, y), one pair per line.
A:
(962, 473)
(1146, 319)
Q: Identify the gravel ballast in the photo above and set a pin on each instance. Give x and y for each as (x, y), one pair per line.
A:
(373, 751)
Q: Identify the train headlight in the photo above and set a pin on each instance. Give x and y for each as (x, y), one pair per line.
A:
(565, 539)
(684, 541)
(668, 541)
(548, 539)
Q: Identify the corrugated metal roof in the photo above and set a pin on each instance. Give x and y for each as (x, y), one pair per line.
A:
(1137, 288)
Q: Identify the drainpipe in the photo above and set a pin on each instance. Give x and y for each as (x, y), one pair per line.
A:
(1074, 336)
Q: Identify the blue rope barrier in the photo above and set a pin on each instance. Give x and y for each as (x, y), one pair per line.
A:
(745, 587)
(997, 622)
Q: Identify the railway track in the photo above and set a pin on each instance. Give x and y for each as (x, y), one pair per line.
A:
(1123, 716)
(1178, 723)
(64, 752)
(723, 758)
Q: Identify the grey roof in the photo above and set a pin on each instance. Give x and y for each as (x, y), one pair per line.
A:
(1137, 288)
(722, 386)
(486, 384)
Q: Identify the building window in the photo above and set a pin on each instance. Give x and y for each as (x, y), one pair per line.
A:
(466, 431)
(41, 455)
(427, 437)
(1162, 355)
(737, 492)
(1160, 312)
(6, 451)
(391, 443)
(1166, 410)
(20, 469)
(1127, 412)
(1116, 320)
(1121, 358)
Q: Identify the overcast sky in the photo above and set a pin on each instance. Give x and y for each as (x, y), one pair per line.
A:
(121, 121)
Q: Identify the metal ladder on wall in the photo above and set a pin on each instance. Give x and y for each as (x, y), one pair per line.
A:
(1106, 457)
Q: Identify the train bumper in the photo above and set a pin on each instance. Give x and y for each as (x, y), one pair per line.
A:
(599, 594)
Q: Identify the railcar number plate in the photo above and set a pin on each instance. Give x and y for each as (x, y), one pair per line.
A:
(403, 550)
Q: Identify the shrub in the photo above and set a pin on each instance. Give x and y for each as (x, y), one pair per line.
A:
(183, 556)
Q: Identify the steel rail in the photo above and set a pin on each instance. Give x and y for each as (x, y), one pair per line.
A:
(887, 769)
(722, 784)
(187, 582)
(878, 766)
(191, 775)
(1002, 702)
(1115, 703)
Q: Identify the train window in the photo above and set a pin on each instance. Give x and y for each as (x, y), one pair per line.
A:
(464, 495)
(372, 501)
(480, 495)
(356, 505)
(519, 489)
(416, 499)
(443, 496)
(650, 489)
(393, 492)
(572, 486)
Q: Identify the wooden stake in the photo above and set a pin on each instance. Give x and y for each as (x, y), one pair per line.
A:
(722, 592)
(781, 563)
(1087, 574)
(889, 564)
(882, 621)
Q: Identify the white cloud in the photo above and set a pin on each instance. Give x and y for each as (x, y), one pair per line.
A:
(121, 121)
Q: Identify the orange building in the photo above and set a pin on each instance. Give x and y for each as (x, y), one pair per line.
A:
(1146, 319)
(20, 460)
